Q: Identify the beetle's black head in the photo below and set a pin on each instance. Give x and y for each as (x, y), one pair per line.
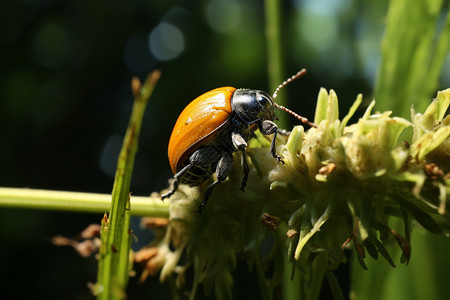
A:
(252, 106)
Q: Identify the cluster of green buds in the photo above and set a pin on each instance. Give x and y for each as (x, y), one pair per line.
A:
(338, 189)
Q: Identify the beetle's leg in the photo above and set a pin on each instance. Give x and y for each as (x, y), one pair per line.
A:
(268, 127)
(222, 170)
(245, 168)
(240, 144)
(175, 182)
(283, 132)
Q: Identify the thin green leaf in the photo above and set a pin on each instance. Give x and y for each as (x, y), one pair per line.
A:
(351, 111)
(114, 263)
(413, 51)
(423, 218)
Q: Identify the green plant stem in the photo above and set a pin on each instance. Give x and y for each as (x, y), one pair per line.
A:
(291, 286)
(318, 272)
(334, 286)
(114, 264)
(265, 292)
(275, 69)
(78, 202)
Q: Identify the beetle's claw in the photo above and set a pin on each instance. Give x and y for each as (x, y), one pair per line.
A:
(279, 159)
(167, 195)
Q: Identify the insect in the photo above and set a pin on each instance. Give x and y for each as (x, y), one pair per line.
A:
(215, 125)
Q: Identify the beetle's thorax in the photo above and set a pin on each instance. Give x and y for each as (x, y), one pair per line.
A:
(252, 106)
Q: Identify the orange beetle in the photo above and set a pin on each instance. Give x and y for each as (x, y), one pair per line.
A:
(197, 124)
(215, 125)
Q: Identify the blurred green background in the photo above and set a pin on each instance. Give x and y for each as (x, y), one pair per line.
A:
(65, 99)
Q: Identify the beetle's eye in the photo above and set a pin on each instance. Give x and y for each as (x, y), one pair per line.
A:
(263, 100)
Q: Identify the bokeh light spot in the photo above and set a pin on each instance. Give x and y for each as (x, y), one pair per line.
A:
(109, 154)
(166, 41)
(320, 31)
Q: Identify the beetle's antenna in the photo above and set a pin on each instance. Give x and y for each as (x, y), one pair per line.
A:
(302, 119)
(286, 82)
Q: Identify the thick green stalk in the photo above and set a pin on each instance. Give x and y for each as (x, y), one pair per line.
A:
(275, 65)
(78, 202)
(275, 71)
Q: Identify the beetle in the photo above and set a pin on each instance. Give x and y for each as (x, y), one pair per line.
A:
(216, 124)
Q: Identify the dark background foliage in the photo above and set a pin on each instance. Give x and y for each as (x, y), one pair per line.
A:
(65, 99)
